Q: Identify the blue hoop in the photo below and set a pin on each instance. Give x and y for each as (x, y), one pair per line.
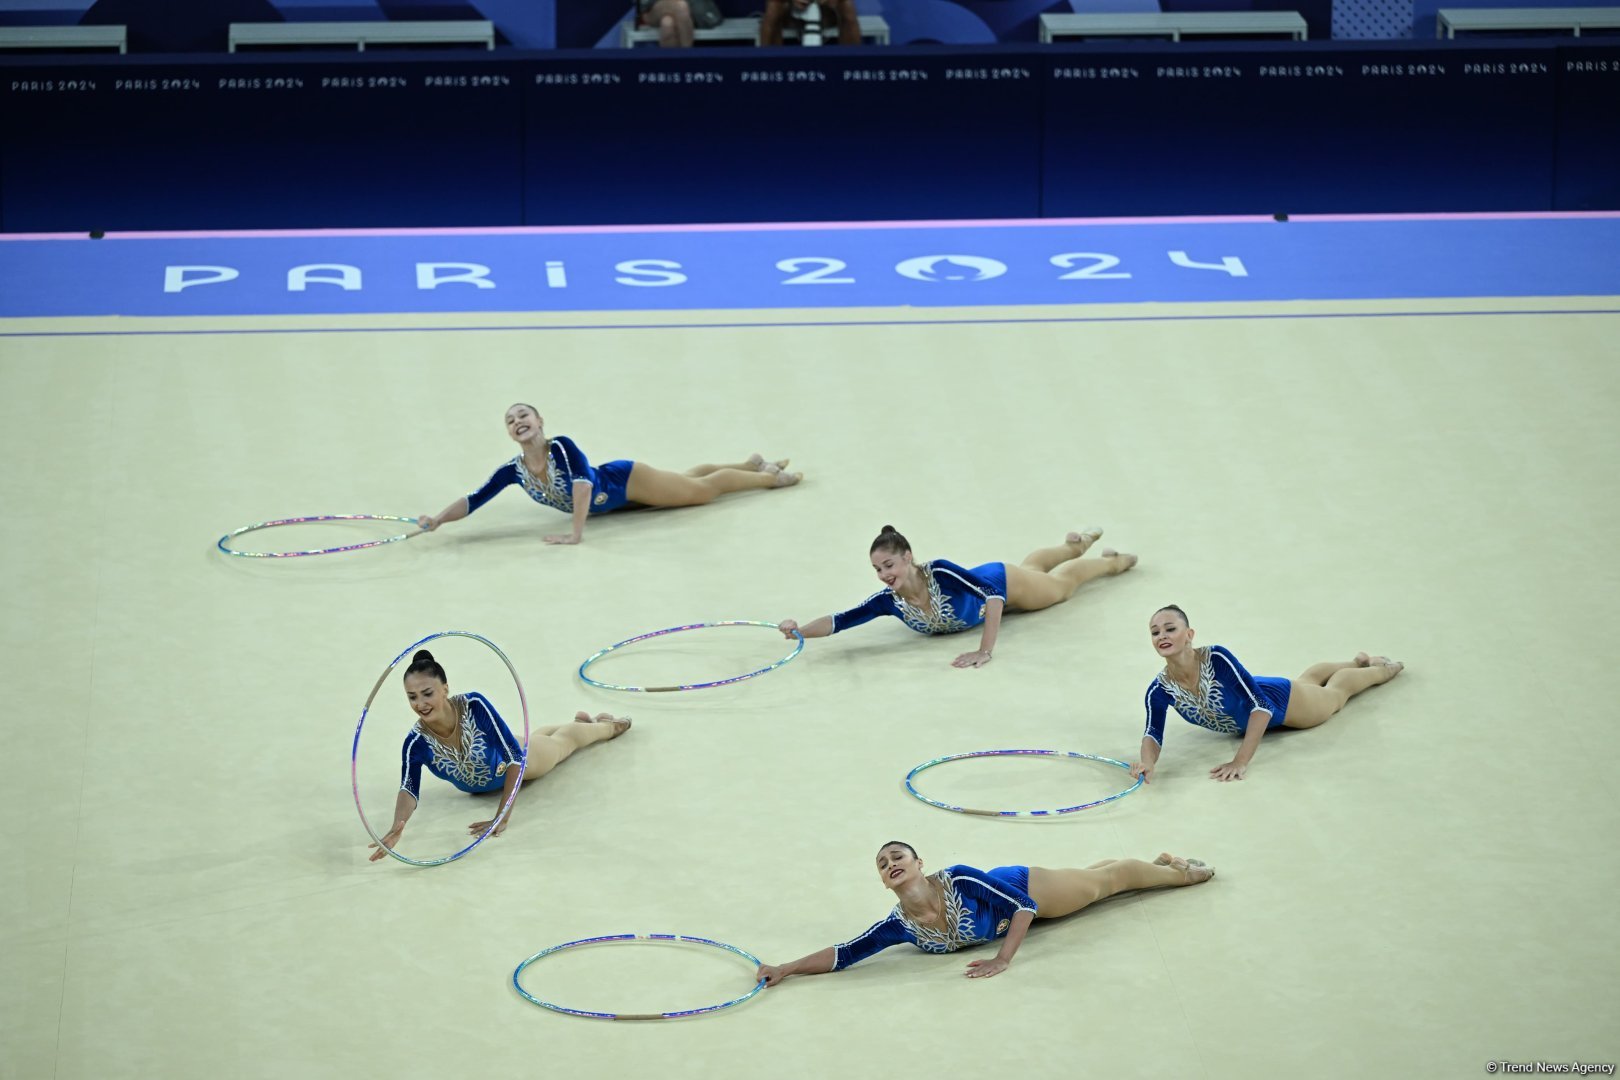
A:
(910, 787)
(797, 649)
(606, 938)
(354, 754)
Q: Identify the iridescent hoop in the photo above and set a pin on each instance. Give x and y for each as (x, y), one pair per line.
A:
(606, 938)
(797, 649)
(354, 754)
(244, 530)
(912, 788)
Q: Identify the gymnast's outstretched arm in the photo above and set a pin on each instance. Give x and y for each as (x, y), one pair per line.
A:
(1144, 764)
(454, 512)
(404, 807)
(817, 963)
(821, 627)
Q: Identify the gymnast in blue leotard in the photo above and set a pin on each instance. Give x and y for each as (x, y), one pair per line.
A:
(462, 739)
(1210, 688)
(940, 597)
(556, 473)
(959, 906)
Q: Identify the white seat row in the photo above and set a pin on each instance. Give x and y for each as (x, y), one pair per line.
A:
(361, 34)
(65, 37)
(1174, 25)
(1450, 21)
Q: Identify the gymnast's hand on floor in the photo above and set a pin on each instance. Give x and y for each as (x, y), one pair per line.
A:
(1143, 770)
(1232, 770)
(788, 628)
(770, 973)
(477, 828)
(390, 838)
(983, 969)
(427, 523)
(977, 658)
(562, 539)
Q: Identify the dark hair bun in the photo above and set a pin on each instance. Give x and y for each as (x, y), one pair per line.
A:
(891, 540)
(424, 664)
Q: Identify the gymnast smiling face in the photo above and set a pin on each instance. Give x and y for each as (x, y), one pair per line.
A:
(897, 864)
(523, 424)
(427, 694)
(1170, 633)
(894, 568)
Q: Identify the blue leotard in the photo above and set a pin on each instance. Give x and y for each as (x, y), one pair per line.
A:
(1227, 695)
(957, 599)
(477, 763)
(568, 464)
(979, 906)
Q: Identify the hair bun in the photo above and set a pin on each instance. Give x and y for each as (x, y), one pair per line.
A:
(888, 529)
(422, 657)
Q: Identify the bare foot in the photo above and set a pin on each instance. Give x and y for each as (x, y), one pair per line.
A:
(1195, 870)
(1127, 560)
(783, 479)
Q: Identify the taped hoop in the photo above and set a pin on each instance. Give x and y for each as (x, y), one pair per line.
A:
(244, 530)
(797, 649)
(607, 938)
(912, 788)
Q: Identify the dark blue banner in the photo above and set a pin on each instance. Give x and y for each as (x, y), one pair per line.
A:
(749, 135)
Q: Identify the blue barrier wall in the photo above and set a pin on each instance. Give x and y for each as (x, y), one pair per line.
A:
(767, 135)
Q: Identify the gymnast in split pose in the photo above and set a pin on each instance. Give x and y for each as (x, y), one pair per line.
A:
(960, 906)
(1210, 688)
(556, 473)
(462, 739)
(939, 597)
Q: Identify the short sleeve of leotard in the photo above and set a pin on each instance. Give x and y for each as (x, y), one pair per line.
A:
(1001, 897)
(1158, 704)
(494, 728)
(500, 478)
(414, 754)
(1220, 657)
(973, 581)
(879, 603)
(879, 936)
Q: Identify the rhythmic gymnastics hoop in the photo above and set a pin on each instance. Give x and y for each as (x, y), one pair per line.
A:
(797, 649)
(912, 788)
(354, 755)
(677, 1015)
(244, 530)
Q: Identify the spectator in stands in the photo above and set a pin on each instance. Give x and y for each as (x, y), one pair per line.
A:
(672, 18)
(816, 21)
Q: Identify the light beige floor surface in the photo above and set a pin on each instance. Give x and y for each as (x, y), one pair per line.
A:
(1422, 885)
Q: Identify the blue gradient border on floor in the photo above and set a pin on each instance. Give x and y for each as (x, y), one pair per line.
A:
(810, 266)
